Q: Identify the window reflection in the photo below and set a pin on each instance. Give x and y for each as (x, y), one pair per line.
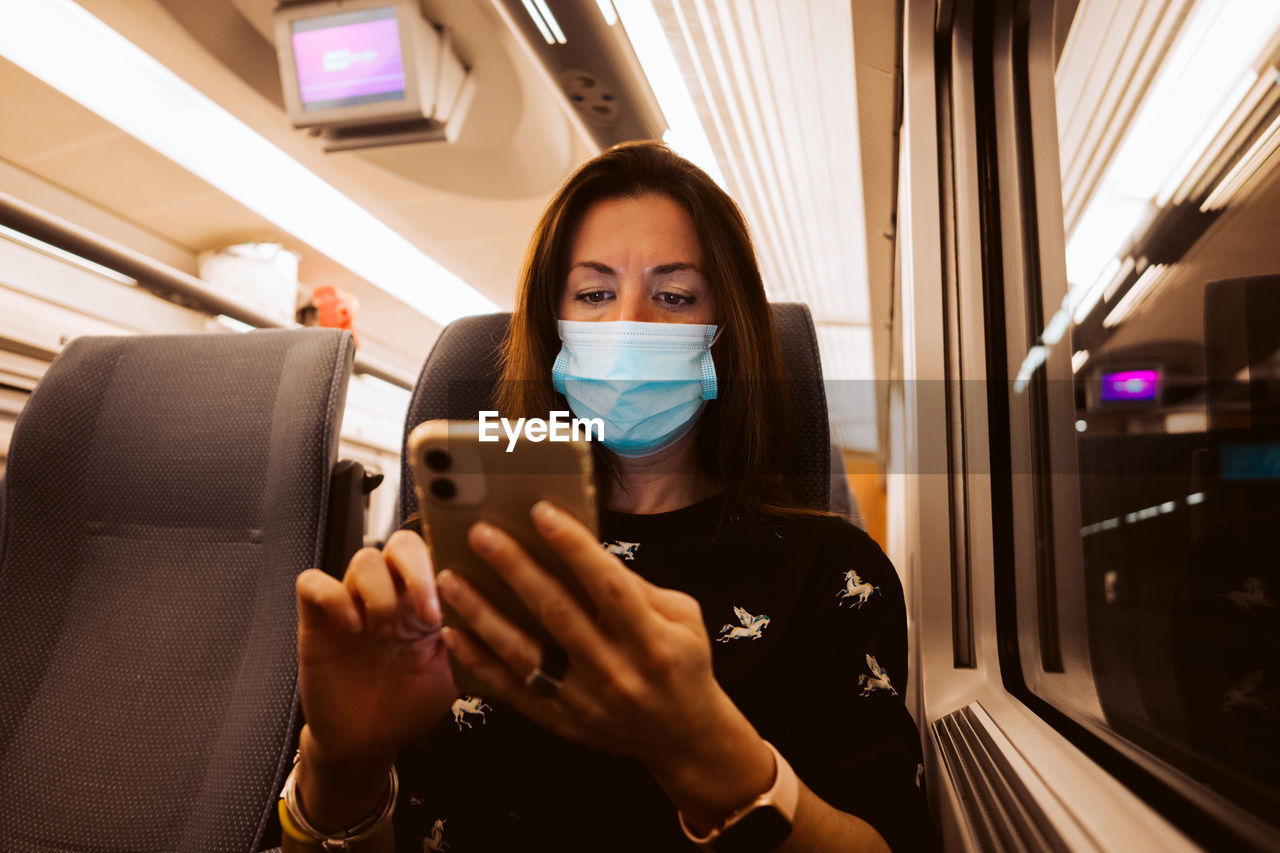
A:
(1180, 500)
(1175, 335)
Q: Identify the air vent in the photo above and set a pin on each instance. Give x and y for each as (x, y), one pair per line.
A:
(1001, 812)
(596, 102)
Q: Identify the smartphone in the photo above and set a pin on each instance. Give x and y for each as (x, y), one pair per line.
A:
(460, 480)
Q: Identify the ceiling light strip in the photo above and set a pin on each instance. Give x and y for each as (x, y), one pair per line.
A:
(835, 70)
(797, 33)
(79, 55)
(686, 33)
(685, 133)
(803, 49)
(1102, 28)
(1217, 128)
(767, 103)
(1217, 46)
(1147, 285)
(791, 120)
(709, 94)
(702, 95)
(1204, 68)
(1258, 99)
(1074, 78)
(1132, 59)
(743, 136)
(1123, 273)
(551, 20)
(609, 13)
(1136, 63)
(1081, 300)
(1258, 154)
(539, 22)
(809, 267)
(799, 278)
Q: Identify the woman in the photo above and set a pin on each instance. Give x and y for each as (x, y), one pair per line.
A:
(787, 732)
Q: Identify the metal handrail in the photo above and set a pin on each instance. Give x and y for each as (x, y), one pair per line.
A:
(151, 275)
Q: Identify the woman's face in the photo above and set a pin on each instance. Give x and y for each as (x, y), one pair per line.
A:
(637, 259)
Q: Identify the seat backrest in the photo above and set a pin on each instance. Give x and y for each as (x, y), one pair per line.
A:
(461, 372)
(843, 500)
(161, 495)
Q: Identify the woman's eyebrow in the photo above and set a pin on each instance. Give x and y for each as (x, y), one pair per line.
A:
(667, 269)
(660, 269)
(603, 269)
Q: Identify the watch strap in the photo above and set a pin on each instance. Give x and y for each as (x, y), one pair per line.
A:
(763, 823)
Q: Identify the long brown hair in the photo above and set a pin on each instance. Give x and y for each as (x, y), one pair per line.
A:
(742, 434)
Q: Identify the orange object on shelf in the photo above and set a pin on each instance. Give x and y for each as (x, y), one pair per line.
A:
(335, 309)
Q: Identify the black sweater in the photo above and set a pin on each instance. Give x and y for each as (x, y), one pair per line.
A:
(822, 680)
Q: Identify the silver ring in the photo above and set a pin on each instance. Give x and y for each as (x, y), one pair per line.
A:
(541, 684)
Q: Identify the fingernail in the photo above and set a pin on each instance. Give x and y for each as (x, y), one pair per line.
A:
(484, 537)
(454, 642)
(429, 608)
(546, 515)
(447, 583)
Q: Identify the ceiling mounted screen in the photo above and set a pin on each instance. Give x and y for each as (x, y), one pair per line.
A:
(348, 59)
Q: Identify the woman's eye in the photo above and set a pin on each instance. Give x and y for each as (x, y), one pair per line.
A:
(593, 297)
(674, 300)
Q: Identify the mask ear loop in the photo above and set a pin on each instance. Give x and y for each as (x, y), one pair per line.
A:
(558, 369)
(561, 364)
(710, 385)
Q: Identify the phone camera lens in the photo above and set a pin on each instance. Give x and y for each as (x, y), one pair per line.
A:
(438, 460)
(443, 488)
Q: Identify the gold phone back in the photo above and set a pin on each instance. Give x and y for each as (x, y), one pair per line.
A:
(460, 480)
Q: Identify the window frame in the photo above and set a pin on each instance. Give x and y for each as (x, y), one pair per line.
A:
(1026, 764)
(1057, 773)
(1037, 496)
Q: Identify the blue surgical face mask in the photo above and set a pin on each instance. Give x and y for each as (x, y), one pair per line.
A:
(647, 382)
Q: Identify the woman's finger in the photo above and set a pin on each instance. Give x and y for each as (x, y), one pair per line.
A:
(512, 646)
(479, 662)
(674, 605)
(406, 554)
(324, 600)
(508, 686)
(547, 599)
(613, 588)
(369, 582)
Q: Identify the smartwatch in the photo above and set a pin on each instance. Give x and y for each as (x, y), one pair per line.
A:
(762, 824)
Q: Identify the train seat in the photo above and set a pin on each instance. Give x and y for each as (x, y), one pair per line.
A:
(458, 379)
(161, 495)
(842, 499)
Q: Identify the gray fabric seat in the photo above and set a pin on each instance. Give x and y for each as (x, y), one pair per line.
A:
(162, 493)
(843, 500)
(458, 379)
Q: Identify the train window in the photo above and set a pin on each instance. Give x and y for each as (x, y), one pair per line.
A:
(1169, 125)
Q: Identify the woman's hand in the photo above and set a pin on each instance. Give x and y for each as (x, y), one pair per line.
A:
(639, 681)
(372, 667)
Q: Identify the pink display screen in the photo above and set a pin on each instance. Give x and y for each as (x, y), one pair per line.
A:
(1130, 385)
(348, 58)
